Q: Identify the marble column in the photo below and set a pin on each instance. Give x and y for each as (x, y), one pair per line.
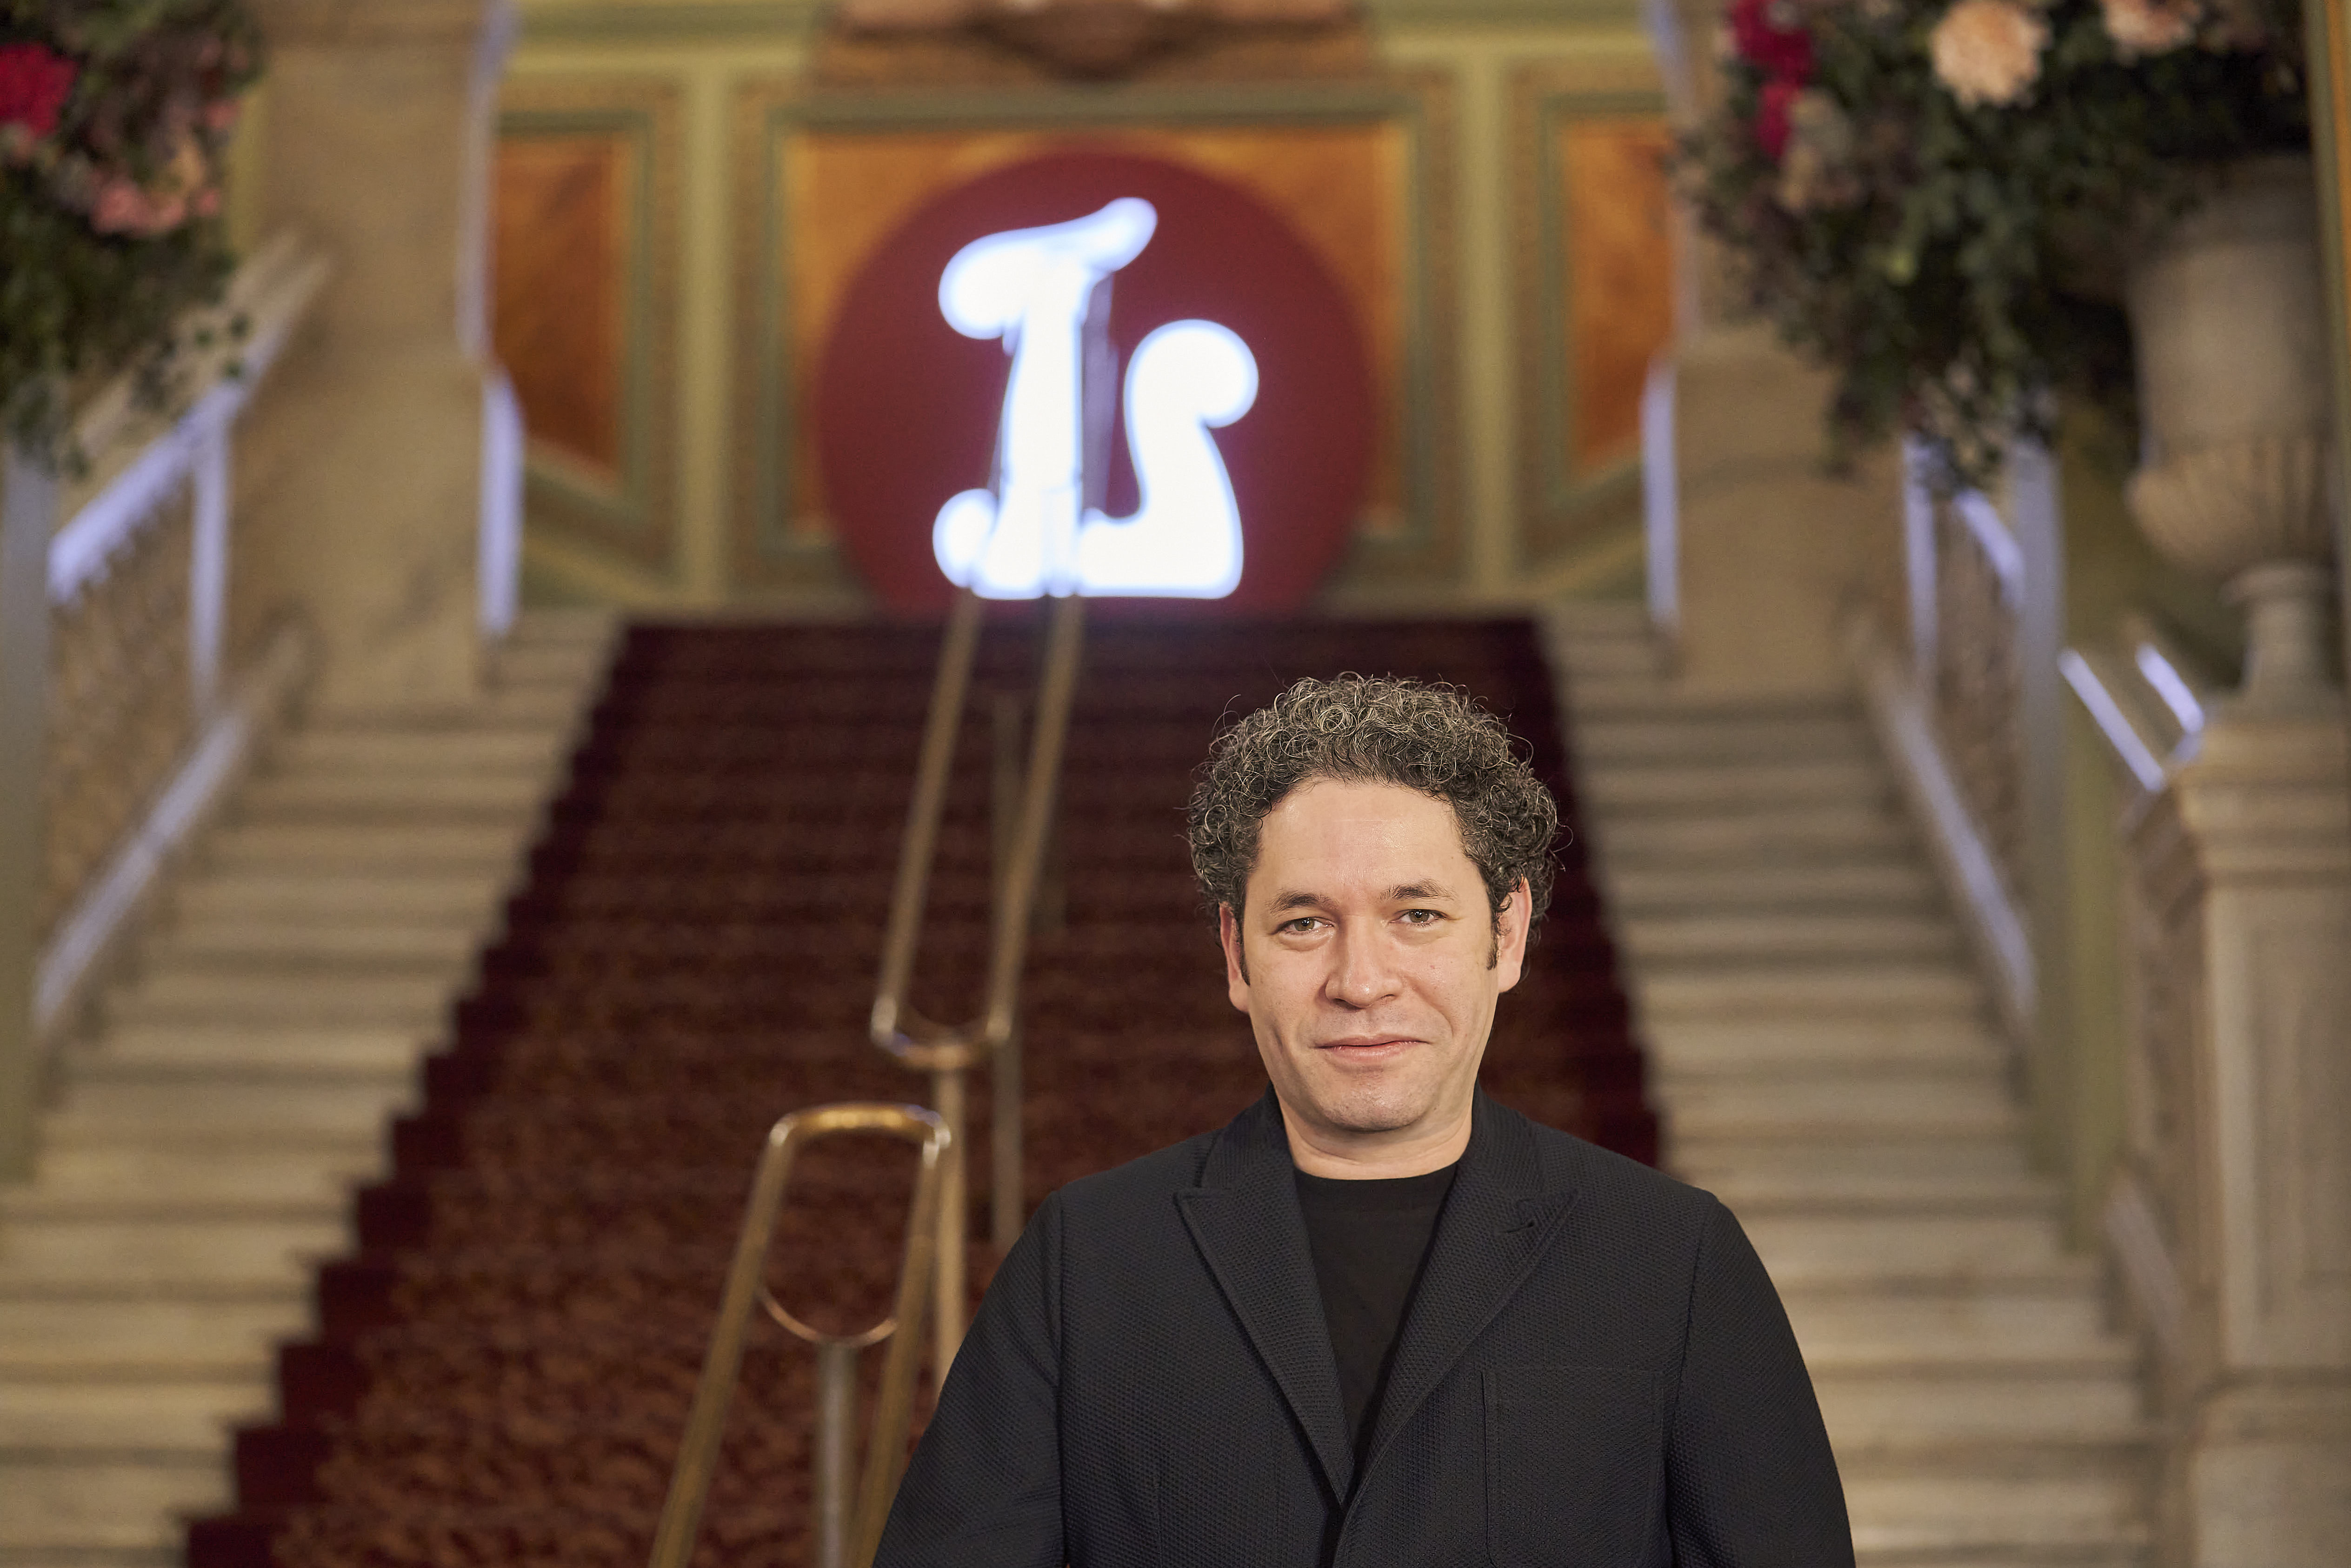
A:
(2248, 857)
(1769, 549)
(363, 470)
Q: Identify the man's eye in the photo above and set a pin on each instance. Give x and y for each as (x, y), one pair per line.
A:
(1420, 918)
(1301, 926)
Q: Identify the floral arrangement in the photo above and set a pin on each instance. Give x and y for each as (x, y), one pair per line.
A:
(1936, 197)
(115, 118)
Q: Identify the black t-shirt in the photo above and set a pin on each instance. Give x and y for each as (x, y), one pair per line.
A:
(1369, 1239)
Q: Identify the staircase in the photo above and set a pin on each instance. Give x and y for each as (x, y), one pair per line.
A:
(1825, 1063)
(201, 1154)
(501, 1368)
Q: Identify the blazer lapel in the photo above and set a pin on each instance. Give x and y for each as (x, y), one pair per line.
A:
(1497, 1222)
(1245, 1218)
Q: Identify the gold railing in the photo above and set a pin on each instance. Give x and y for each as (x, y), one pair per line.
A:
(948, 1054)
(846, 1535)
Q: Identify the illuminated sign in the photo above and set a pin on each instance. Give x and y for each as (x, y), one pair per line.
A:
(1045, 293)
(980, 413)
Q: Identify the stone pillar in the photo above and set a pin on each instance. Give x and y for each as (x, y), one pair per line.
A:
(2258, 829)
(1769, 549)
(363, 466)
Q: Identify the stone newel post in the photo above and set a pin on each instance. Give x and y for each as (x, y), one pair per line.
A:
(365, 474)
(2244, 864)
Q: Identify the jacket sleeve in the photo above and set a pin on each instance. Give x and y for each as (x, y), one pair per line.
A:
(1751, 1480)
(984, 1489)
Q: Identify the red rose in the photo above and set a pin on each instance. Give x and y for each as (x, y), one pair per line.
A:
(1764, 39)
(34, 86)
(1778, 98)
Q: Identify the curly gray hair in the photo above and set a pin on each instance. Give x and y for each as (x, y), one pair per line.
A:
(1375, 729)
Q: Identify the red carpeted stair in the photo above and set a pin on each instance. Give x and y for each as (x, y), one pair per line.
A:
(502, 1371)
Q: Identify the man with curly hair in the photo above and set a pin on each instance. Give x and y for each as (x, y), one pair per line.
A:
(1378, 1320)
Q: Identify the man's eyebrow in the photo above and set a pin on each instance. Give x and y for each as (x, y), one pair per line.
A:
(1402, 892)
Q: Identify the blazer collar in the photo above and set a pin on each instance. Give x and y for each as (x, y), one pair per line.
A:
(1245, 1218)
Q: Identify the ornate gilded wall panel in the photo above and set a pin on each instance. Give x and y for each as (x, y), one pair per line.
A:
(1359, 171)
(585, 245)
(1595, 294)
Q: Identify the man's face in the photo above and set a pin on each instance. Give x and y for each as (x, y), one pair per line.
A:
(1373, 963)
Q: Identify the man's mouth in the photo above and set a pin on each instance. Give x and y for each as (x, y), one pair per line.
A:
(1366, 1048)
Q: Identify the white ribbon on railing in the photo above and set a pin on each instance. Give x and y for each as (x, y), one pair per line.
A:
(270, 292)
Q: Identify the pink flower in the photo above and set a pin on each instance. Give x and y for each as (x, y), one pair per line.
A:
(221, 114)
(1768, 34)
(34, 86)
(1988, 52)
(2149, 26)
(121, 207)
(1772, 115)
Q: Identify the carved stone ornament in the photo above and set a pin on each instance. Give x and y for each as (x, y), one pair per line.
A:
(1093, 37)
(1086, 39)
(2233, 388)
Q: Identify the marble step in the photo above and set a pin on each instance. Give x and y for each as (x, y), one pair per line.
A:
(1944, 1520)
(271, 1112)
(75, 1416)
(366, 750)
(248, 1052)
(132, 1168)
(366, 945)
(1819, 990)
(1851, 883)
(193, 992)
(144, 1253)
(1666, 939)
(1766, 835)
(1892, 1172)
(1966, 1326)
(1964, 1104)
(1696, 1048)
(1868, 1407)
(468, 899)
(1605, 746)
(75, 1505)
(398, 850)
(394, 796)
(550, 707)
(1632, 793)
(131, 1339)
(1896, 1251)
(1630, 652)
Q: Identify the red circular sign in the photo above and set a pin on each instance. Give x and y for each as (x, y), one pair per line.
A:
(907, 409)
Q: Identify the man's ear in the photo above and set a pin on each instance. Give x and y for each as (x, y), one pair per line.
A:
(1229, 932)
(1511, 940)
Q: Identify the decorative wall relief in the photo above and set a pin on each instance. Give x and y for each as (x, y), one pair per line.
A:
(1596, 293)
(584, 304)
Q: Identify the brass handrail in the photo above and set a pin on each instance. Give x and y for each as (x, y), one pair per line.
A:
(947, 1053)
(844, 1540)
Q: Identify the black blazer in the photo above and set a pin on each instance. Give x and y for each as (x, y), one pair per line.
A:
(1594, 1371)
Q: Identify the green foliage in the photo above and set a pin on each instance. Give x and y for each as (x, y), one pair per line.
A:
(109, 226)
(1959, 266)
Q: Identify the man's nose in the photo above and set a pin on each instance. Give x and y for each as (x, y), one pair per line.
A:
(1362, 972)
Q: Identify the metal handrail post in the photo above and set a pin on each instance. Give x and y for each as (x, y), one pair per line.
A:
(915, 1041)
(722, 1367)
(951, 1280)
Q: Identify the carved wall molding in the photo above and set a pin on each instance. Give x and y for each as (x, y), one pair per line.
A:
(997, 43)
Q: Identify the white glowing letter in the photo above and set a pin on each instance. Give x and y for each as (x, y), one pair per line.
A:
(1031, 533)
